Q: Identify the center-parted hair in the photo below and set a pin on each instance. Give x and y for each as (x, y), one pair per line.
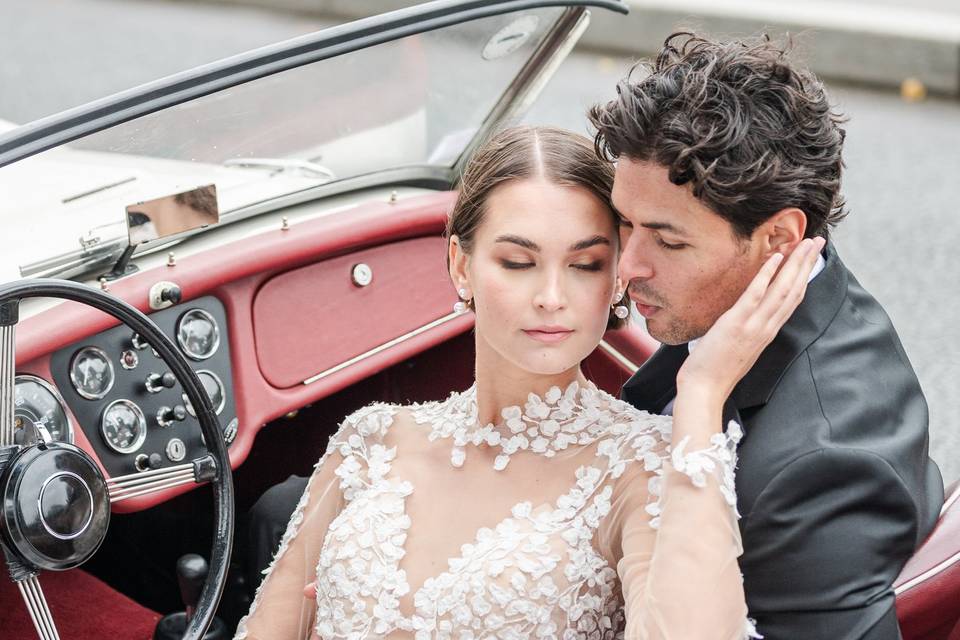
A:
(750, 132)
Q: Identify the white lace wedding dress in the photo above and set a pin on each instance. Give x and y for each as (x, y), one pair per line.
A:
(573, 518)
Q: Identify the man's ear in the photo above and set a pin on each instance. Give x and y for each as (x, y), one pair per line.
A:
(783, 231)
(457, 259)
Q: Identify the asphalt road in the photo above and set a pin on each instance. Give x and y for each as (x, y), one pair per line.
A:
(900, 238)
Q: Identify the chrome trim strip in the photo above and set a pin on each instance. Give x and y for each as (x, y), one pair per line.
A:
(383, 347)
(950, 500)
(153, 488)
(929, 573)
(619, 357)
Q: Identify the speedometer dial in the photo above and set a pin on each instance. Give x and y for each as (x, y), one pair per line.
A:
(91, 373)
(37, 401)
(123, 426)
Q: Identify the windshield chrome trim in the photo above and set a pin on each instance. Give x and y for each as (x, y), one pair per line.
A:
(101, 256)
(72, 124)
(532, 78)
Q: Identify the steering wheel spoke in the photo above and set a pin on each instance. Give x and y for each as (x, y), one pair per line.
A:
(37, 606)
(7, 375)
(144, 483)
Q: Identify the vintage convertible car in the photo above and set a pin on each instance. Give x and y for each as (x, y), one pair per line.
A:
(209, 271)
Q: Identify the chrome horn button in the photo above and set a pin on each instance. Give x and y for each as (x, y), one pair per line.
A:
(65, 505)
(56, 506)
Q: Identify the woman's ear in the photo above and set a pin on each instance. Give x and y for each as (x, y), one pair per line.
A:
(457, 259)
(783, 231)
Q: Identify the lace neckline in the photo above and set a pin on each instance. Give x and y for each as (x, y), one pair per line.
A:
(545, 425)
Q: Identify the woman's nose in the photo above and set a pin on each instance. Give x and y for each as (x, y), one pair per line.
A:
(551, 296)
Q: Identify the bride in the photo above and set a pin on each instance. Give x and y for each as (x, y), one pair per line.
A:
(533, 505)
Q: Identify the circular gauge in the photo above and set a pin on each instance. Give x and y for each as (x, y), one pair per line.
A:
(37, 401)
(91, 373)
(123, 426)
(214, 389)
(198, 334)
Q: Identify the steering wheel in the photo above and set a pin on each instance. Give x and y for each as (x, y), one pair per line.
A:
(55, 500)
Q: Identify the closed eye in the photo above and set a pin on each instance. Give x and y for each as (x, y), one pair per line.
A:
(591, 266)
(671, 247)
(510, 264)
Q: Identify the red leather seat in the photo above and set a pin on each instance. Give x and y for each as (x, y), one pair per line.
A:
(928, 588)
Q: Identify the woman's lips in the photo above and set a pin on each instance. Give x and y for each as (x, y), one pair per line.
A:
(548, 336)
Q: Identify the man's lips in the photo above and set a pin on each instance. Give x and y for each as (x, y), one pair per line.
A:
(549, 335)
(646, 310)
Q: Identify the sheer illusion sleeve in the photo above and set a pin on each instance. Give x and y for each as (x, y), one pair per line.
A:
(676, 541)
(279, 610)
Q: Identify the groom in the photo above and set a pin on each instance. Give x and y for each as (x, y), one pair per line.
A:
(726, 153)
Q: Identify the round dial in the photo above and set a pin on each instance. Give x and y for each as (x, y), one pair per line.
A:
(123, 426)
(213, 387)
(198, 334)
(37, 401)
(91, 373)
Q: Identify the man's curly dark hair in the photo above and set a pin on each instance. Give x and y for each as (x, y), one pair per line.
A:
(750, 132)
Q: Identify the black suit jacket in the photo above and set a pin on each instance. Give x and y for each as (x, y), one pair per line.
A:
(834, 482)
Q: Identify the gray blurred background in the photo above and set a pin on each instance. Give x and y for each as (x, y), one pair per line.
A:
(893, 68)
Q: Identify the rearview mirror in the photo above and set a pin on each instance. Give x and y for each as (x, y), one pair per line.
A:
(170, 215)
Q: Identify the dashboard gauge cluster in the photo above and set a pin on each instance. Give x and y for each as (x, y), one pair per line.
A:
(130, 406)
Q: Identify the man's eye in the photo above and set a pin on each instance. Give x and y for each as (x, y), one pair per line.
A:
(510, 264)
(670, 247)
(589, 266)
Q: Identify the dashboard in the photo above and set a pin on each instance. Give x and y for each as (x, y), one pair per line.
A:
(271, 321)
(130, 406)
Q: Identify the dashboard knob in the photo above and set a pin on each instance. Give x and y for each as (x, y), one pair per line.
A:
(156, 382)
(154, 460)
(166, 416)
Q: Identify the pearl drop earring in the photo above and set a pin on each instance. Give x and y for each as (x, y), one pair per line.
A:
(461, 305)
(621, 310)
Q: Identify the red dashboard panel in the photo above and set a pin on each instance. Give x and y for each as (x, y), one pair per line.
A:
(292, 311)
(309, 320)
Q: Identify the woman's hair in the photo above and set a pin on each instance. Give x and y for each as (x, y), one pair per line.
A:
(749, 130)
(558, 156)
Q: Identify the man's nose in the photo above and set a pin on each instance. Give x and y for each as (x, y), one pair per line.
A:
(635, 263)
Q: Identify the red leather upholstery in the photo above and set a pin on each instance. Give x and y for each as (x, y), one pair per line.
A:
(928, 588)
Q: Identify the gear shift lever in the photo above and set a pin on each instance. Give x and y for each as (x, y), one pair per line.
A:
(191, 574)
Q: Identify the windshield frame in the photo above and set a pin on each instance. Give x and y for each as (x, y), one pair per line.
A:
(69, 125)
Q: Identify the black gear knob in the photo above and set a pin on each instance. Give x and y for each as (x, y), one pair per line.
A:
(191, 573)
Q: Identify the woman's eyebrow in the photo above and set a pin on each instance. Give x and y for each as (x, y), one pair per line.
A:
(589, 242)
(523, 242)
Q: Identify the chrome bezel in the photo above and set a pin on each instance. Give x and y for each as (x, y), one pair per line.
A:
(56, 395)
(73, 377)
(216, 334)
(223, 394)
(138, 442)
(43, 520)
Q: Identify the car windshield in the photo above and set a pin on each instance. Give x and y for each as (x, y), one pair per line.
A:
(415, 102)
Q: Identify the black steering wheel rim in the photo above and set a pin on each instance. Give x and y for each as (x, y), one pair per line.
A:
(221, 480)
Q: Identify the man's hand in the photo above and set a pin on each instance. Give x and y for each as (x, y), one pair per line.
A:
(738, 337)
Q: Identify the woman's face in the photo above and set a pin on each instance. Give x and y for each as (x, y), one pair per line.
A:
(542, 274)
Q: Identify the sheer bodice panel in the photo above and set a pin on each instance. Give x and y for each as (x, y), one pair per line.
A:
(574, 518)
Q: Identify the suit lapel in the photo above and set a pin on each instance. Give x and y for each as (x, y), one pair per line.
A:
(655, 383)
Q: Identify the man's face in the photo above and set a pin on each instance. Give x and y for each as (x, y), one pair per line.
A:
(684, 264)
